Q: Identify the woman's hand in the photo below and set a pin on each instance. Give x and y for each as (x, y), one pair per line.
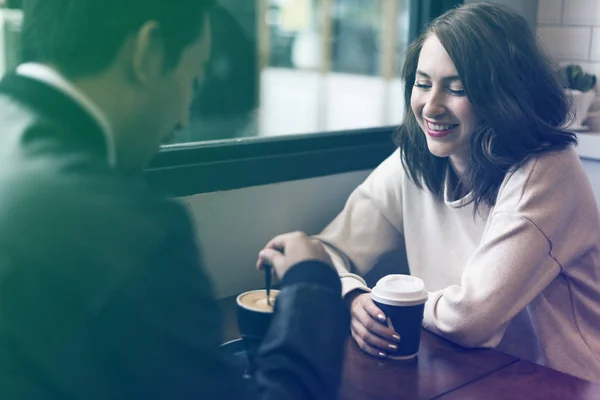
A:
(285, 251)
(369, 327)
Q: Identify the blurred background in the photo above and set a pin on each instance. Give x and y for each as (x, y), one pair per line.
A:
(283, 67)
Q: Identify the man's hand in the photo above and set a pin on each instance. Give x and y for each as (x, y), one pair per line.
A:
(286, 250)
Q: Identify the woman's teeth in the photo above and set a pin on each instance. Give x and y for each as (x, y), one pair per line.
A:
(441, 128)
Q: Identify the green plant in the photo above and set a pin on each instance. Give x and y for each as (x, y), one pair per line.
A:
(574, 77)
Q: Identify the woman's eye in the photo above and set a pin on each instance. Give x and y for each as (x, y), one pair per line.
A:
(422, 85)
(457, 92)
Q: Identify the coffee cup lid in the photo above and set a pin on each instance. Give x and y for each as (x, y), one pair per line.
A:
(400, 288)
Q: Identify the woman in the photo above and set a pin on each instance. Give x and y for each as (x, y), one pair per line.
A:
(489, 197)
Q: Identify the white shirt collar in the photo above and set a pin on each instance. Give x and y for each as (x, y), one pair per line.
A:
(51, 77)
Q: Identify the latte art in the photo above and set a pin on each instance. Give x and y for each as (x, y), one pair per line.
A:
(257, 300)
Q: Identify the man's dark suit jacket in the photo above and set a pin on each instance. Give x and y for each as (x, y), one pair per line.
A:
(102, 295)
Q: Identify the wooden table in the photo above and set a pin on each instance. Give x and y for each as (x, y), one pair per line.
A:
(527, 381)
(439, 368)
(444, 370)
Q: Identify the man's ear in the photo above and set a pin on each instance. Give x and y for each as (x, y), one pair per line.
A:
(148, 53)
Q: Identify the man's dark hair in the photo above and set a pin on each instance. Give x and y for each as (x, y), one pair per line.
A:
(513, 87)
(82, 37)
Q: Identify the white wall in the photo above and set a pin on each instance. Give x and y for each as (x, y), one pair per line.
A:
(592, 168)
(527, 8)
(234, 225)
(570, 31)
(588, 150)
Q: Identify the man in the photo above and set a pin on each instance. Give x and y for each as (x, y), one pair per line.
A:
(101, 291)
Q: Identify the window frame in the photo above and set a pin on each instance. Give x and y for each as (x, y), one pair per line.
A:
(204, 167)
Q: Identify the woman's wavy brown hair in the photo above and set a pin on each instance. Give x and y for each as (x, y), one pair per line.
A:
(513, 87)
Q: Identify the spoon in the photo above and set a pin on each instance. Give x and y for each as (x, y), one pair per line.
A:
(268, 283)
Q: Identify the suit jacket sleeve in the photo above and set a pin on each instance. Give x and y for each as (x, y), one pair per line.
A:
(163, 327)
(301, 356)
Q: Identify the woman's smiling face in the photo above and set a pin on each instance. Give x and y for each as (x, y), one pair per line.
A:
(441, 107)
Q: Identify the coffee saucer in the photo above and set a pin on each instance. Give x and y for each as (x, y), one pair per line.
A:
(234, 353)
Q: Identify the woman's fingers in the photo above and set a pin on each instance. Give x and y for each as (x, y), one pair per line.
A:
(373, 319)
(372, 341)
(367, 348)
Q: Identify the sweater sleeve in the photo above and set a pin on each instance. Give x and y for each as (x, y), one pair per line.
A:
(510, 268)
(369, 228)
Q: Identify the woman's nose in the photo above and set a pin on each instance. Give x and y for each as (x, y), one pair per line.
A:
(434, 105)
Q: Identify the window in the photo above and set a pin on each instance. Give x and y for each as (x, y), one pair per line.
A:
(294, 89)
(285, 67)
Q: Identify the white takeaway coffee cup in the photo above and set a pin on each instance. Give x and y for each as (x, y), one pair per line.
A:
(402, 299)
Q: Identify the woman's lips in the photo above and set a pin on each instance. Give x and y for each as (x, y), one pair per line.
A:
(439, 130)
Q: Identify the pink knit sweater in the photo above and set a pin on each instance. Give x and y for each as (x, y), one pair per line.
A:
(522, 277)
